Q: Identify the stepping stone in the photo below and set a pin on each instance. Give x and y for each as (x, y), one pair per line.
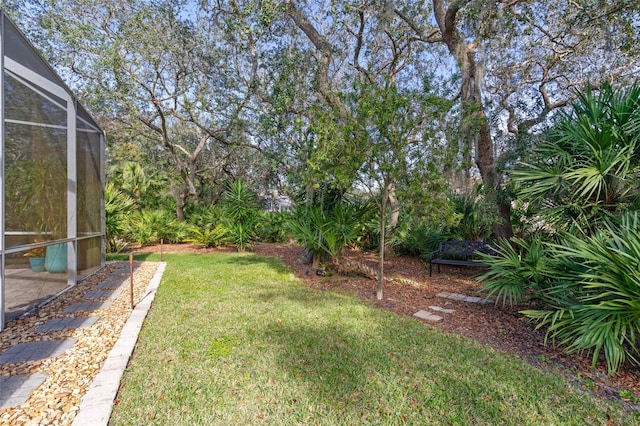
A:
(453, 296)
(17, 389)
(443, 310)
(111, 284)
(462, 297)
(35, 351)
(102, 294)
(56, 324)
(86, 306)
(428, 316)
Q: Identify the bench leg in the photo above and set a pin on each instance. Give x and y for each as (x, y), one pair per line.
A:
(430, 268)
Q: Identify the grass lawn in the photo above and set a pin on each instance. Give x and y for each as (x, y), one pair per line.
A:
(235, 339)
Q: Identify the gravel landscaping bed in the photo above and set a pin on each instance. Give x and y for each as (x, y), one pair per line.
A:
(57, 400)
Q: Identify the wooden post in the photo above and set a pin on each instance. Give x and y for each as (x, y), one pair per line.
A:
(131, 278)
(161, 248)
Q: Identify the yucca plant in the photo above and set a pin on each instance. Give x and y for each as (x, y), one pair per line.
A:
(603, 314)
(240, 207)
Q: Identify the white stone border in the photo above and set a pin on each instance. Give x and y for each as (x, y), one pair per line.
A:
(97, 403)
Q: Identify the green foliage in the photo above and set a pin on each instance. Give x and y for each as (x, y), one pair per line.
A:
(240, 234)
(240, 207)
(150, 226)
(205, 216)
(272, 227)
(603, 314)
(413, 238)
(207, 236)
(517, 269)
(326, 233)
(117, 207)
(588, 168)
(475, 216)
(589, 287)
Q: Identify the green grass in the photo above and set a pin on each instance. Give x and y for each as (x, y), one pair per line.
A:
(235, 339)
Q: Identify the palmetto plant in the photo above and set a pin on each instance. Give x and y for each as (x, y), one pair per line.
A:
(588, 167)
(117, 206)
(585, 182)
(208, 236)
(326, 233)
(603, 312)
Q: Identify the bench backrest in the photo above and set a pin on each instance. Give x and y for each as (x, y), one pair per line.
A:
(463, 248)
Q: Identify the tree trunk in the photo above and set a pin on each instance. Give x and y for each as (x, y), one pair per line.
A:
(474, 125)
(383, 227)
(394, 204)
(181, 202)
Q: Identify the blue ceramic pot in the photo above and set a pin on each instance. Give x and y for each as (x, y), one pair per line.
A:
(56, 258)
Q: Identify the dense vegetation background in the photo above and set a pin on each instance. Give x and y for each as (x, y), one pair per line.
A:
(391, 125)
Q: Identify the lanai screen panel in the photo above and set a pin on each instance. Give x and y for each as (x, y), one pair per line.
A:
(53, 154)
(89, 194)
(35, 151)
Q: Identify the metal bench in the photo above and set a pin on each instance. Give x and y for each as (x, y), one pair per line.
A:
(459, 253)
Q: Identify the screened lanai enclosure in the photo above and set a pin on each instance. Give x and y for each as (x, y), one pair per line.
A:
(51, 182)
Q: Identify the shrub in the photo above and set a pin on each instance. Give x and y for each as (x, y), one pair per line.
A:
(589, 287)
(603, 314)
(117, 206)
(515, 270)
(205, 216)
(476, 216)
(150, 226)
(207, 236)
(272, 227)
(326, 233)
(417, 239)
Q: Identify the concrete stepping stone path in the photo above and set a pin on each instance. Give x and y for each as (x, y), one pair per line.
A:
(463, 298)
(430, 316)
(427, 316)
(17, 389)
(86, 306)
(443, 310)
(57, 324)
(35, 351)
(102, 294)
(111, 284)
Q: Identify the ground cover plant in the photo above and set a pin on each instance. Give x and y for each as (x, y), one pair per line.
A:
(236, 339)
